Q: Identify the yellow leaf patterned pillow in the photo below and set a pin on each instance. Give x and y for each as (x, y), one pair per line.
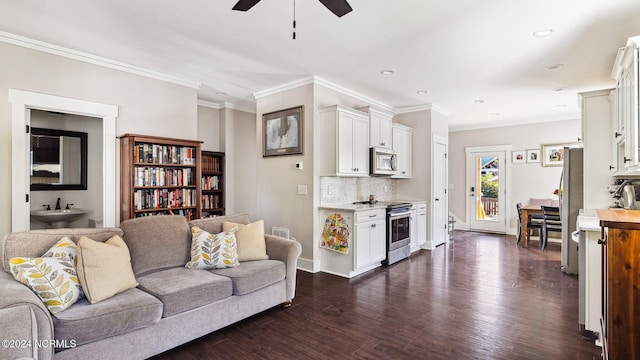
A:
(209, 251)
(54, 280)
(64, 248)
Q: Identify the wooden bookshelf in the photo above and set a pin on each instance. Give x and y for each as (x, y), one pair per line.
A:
(159, 176)
(212, 184)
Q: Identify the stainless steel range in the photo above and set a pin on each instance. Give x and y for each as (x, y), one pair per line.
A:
(398, 231)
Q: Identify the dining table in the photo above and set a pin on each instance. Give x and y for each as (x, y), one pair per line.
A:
(528, 211)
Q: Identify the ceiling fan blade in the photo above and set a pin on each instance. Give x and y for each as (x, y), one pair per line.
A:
(244, 5)
(338, 7)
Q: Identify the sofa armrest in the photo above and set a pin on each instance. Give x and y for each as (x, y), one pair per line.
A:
(17, 298)
(288, 251)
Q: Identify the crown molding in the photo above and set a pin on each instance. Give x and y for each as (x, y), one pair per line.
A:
(356, 95)
(92, 59)
(284, 87)
(225, 105)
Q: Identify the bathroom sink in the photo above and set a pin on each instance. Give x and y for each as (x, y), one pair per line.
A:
(58, 218)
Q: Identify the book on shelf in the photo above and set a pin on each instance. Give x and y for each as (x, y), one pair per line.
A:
(164, 154)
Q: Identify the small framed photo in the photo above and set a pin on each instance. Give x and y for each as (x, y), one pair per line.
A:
(282, 132)
(533, 156)
(553, 154)
(518, 156)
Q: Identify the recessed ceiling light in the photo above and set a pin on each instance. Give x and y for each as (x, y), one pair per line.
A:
(495, 114)
(220, 93)
(479, 101)
(386, 71)
(561, 105)
(543, 32)
(554, 67)
(422, 92)
(558, 89)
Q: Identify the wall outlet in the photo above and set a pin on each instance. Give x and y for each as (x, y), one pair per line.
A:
(302, 189)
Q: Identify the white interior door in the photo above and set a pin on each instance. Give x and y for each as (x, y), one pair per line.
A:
(440, 211)
(486, 189)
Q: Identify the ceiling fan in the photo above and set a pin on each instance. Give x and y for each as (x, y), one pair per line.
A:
(338, 7)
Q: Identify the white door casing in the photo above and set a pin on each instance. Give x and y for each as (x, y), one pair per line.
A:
(476, 218)
(21, 104)
(439, 198)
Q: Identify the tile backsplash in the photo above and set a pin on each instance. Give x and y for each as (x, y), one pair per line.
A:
(336, 190)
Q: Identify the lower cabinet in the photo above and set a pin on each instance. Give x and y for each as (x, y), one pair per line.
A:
(352, 242)
(621, 281)
(370, 240)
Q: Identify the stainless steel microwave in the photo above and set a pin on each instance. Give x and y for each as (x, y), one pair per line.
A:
(382, 162)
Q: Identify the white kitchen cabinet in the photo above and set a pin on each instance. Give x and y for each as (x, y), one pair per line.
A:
(402, 145)
(366, 233)
(413, 228)
(626, 129)
(421, 232)
(380, 125)
(348, 129)
(370, 240)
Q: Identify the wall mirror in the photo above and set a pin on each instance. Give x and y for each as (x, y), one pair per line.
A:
(58, 159)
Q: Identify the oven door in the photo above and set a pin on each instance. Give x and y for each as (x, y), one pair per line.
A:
(399, 233)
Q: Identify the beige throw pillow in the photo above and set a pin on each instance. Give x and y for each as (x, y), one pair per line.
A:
(104, 268)
(250, 239)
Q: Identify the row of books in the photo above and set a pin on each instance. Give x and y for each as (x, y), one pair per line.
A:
(148, 176)
(210, 183)
(211, 164)
(211, 201)
(184, 212)
(164, 154)
(164, 198)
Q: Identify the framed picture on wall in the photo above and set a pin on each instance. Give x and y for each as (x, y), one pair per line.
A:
(533, 156)
(282, 132)
(518, 156)
(553, 154)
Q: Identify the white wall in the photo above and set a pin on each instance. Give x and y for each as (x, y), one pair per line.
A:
(146, 106)
(241, 178)
(528, 180)
(209, 128)
(277, 178)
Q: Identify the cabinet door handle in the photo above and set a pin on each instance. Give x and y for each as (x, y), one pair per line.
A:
(602, 242)
(611, 167)
(617, 134)
(373, 226)
(626, 159)
(382, 144)
(372, 216)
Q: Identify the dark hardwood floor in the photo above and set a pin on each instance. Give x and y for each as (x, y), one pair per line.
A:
(479, 297)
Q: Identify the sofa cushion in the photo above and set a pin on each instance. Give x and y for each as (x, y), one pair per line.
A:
(125, 312)
(34, 243)
(210, 251)
(104, 268)
(253, 275)
(214, 224)
(18, 324)
(250, 238)
(181, 289)
(54, 280)
(157, 242)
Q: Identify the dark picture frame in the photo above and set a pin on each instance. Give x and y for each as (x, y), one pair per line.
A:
(282, 132)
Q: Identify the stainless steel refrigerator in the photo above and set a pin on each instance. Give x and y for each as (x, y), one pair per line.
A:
(570, 205)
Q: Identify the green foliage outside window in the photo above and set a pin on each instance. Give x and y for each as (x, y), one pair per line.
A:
(489, 187)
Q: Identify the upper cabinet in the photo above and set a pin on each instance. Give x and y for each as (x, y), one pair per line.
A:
(380, 124)
(626, 129)
(402, 145)
(351, 136)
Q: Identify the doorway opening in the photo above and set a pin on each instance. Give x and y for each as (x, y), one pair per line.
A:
(487, 184)
(22, 102)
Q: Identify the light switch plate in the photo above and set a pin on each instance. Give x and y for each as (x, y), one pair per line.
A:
(302, 189)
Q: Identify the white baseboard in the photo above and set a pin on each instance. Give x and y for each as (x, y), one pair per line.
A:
(308, 265)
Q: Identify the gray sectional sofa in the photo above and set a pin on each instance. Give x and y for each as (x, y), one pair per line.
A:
(171, 305)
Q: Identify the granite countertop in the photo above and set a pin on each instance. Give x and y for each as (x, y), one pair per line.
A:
(362, 207)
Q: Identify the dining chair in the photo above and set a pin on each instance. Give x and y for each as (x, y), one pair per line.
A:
(534, 223)
(551, 222)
